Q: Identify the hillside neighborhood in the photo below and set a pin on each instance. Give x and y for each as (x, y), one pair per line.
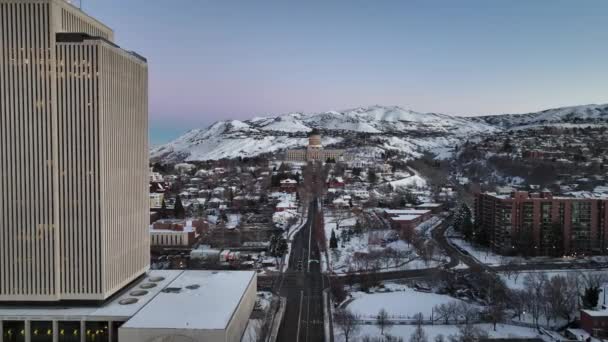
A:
(442, 234)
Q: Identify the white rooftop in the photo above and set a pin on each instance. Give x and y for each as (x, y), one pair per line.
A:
(405, 217)
(112, 309)
(429, 205)
(406, 211)
(210, 306)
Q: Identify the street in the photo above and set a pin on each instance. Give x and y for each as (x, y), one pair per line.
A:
(302, 284)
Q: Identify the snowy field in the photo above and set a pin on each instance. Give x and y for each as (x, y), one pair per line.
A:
(405, 331)
(402, 302)
(343, 259)
(484, 256)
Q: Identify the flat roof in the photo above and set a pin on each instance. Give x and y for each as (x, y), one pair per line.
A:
(208, 305)
(111, 309)
(405, 217)
(406, 211)
(429, 205)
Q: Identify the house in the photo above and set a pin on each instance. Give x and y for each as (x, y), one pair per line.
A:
(435, 208)
(360, 194)
(156, 200)
(425, 214)
(406, 225)
(288, 185)
(337, 182)
(595, 322)
(286, 205)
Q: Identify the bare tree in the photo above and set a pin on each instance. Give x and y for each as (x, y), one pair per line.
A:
(467, 312)
(469, 333)
(518, 302)
(534, 284)
(341, 215)
(419, 317)
(346, 322)
(442, 312)
(383, 321)
(496, 313)
(562, 296)
(419, 335)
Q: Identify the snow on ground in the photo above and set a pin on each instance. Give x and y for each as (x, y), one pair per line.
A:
(486, 256)
(282, 219)
(482, 255)
(402, 303)
(252, 331)
(233, 221)
(405, 331)
(516, 279)
(426, 227)
(343, 259)
(413, 181)
(263, 300)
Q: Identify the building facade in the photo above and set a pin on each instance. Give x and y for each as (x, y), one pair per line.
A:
(73, 156)
(542, 223)
(314, 151)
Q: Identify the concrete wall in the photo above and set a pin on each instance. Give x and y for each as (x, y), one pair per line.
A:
(240, 318)
(170, 335)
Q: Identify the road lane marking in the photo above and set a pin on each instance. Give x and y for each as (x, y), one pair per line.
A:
(300, 315)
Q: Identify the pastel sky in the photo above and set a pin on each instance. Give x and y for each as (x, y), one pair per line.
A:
(213, 60)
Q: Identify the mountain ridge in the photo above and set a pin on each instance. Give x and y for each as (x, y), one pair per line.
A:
(392, 127)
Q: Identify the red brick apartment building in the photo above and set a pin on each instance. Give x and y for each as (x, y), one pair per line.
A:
(547, 223)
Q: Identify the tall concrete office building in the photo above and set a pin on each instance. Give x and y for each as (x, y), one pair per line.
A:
(73, 156)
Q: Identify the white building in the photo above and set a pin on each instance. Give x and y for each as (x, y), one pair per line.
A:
(172, 238)
(156, 200)
(167, 305)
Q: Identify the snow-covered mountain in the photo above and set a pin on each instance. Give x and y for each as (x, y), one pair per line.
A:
(573, 115)
(380, 127)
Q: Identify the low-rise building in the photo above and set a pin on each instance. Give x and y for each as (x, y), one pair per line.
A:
(406, 224)
(156, 200)
(164, 305)
(595, 322)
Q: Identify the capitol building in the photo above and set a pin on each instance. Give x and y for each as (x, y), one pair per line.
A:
(314, 151)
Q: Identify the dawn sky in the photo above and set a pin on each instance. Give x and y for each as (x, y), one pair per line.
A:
(212, 60)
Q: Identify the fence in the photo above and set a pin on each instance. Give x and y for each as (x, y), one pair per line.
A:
(409, 320)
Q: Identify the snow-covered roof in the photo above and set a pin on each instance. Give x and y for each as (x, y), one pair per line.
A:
(596, 313)
(406, 211)
(287, 204)
(208, 306)
(111, 310)
(429, 205)
(405, 217)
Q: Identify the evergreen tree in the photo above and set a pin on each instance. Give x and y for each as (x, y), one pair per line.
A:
(178, 209)
(162, 213)
(278, 246)
(467, 222)
(371, 176)
(333, 240)
(591, 297)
